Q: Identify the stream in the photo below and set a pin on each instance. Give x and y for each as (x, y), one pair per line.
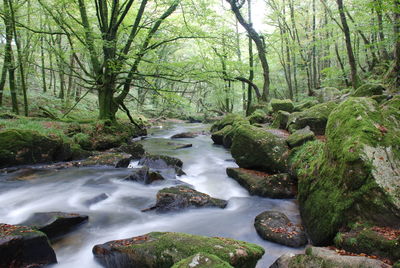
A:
(119, 216)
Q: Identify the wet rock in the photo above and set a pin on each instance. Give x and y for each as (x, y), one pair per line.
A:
(324, 257)
(135, 149)
(301, 136)
(163, 249)
(123, 163)
(276, 227)
(144, 175)
(281, 119)
(256, 148)
(183, 146)
(166, 144)
(185, 135)
(193, 120)
(202, 260)
(162, 162)
(368, 90)
(282, 105)
(378, 241)
(96, 199)
(183, 197)
(116, 159)
(27, 174)
(20, 246)
(263, 184)
(218, 136)
(315, 117)
(55, 224)
(354, 176)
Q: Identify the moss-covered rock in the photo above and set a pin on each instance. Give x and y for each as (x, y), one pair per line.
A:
(218, 136)
(282, 105)
(114, 159)
(161, 162)
(305, 104)
(379, 241)
(327, 94)
(228, 137)
(18, 147)
(83, 140)
(263, 184)
(301, 136)
(258, 106)
(368, 90)
(229, 119)
(355, 175)
(21, 246)
(256, 148)
(281, 119)
(202, 260)
(161, 249)
(315, 117)
(258, 116)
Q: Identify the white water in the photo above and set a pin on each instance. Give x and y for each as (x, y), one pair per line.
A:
(120, 217)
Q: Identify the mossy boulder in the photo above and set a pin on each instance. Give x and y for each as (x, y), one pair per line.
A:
(218, 136)
(355, 175)
(202, 260)
(305, 104)
(371, 240)
(19, 147)
(229, 119)
(281, 119)
(135, 149)
(263, 184)
(258, 106)
(83, 140)
(162, 162)
(164, 249)
(144, 175)
(21, 246)
(315, 117)
(115, 159)
(368, 90)
(327, 94)
(256, 148)
(258, 116)
(228, 137)
(282, 105)
(301, 136)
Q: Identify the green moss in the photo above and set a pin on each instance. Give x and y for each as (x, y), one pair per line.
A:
(229, 119)
(301, 261)
(368, 90)
(299, 137)
(83, 140)
(282, 105)
(281, 119)
(258, 116)
(202, 260)
(218, 136)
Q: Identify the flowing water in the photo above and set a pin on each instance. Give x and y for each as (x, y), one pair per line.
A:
(119, 216)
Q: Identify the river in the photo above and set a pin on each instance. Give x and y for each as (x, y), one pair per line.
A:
(119, 216)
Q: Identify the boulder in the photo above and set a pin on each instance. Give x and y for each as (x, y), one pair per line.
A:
(55, 224)
(282, 105)
(135, 149)
(256, 148)
(218, 136)
(159, 162)
(301, 136)
(280, 119)
(354, 176)
(378, 241)
(165, 144)
(202, 260)
(368, 90)
(258, 116)
(185, 135)
(21, 246)
(263, 184)
(315, 117)
(317, 257)
(163, 249)
(303, 105)
(258, 106)
(183, 197)
(96, 199)
(115, 159)
(229, 119)
(275, 226)
(144, 175)
(327, 94)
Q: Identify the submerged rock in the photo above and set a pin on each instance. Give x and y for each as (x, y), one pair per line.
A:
(355, 175)
(315, 117)
(162, 162)
(55, 224)
(276, 227)
(185, 135)
(282, 105)
(183, 197)
(163, 249)
(263, 184)
(96, 199)
(21, 246)
(317, 257)
(202, 260)
(144, 175)
(301, 136)
(256, 148)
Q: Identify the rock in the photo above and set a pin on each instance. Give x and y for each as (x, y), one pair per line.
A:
(202, 260)
(144, 175)
(116, 159)
(303, 105)
(327, 94)
(276, 227)
(281, 119)
(301, 136)
(83, 140)
(20, 147)
(163, 249)
(123, 163)
(182, 197)
(229, 119)
(263, 184)
(316, 257)
(282, 105)
(193, 120)
(165, 144)
(378, 241)
(354, 176)
(258, 106)
(368, 90)
(315, 117)
(256, 148)
(185, 135)
(96, 199)
(55, 224)
(218, 136)
(162, 162)
(20, 246)
(258, 116)
(183, 146)
(135, 149)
